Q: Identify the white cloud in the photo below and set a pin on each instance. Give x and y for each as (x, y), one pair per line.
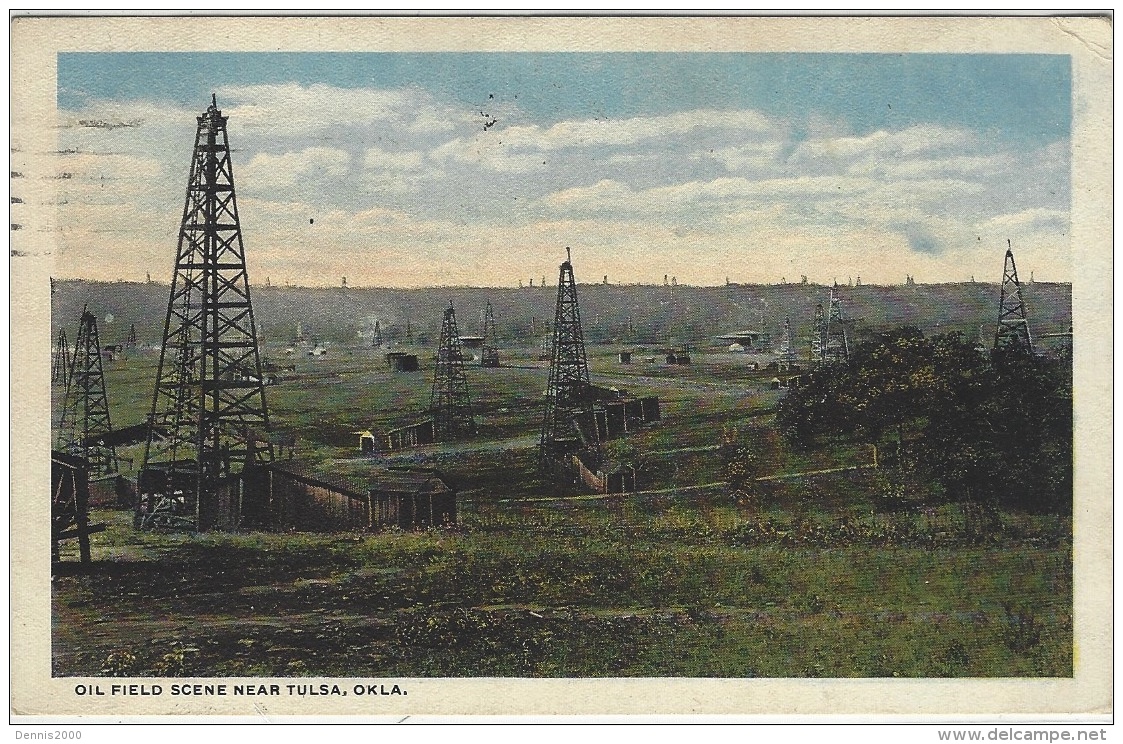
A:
(378, 159)
(1031, 218)
(406, 188)
(312, 165)
(520, 148)
(753, 155)
(914, 141)
(293, 110)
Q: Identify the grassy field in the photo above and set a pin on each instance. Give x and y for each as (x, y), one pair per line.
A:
(817, 576)
(632, 586)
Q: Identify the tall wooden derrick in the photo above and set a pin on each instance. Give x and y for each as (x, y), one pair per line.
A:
(1013, 325)
(836, 341)
(376, 338)
(208, 411)
(60, 360)
(569, 422)
(84, 423)
(489, 348)
(449, 402)
(787, 345)
(818, 335)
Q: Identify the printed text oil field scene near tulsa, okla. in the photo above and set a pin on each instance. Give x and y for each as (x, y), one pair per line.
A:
(409, 365)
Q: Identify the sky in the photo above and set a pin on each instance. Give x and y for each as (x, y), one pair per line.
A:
(480, 168)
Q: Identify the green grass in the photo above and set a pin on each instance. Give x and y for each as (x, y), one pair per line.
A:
(636, 587)
(822, 576)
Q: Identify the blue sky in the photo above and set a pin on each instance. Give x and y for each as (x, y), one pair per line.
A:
(1020, 97)
(479, 168)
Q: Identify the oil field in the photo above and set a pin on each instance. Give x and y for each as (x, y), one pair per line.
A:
(572, 478)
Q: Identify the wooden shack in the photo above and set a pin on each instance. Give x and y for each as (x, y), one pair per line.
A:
(399, 361)
(290, 496)
(616, 418)
(411, 498)
(411, 436)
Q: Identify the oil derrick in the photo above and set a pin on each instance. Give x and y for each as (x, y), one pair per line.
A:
(130, 340)
(85, 414)
(489, 348)
(818, 335)
(208, 407)
(376, 341)
(60, 364)
(787, 345)
(836, 344)
(1013, 327)
(569, 420)
(449, 402)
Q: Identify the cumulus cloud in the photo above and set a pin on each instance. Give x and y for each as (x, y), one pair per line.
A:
(311, 167)
(1053, 219)
(378, 159)
(398, 178)
(293, 110)
(910, 142)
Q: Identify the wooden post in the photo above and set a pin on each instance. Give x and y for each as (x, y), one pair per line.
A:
(82, 500)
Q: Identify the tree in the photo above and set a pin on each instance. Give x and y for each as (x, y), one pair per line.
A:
(983, 428)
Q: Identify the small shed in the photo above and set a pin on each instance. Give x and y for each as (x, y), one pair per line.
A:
(291, 496)
(411, 498)
(399, 361)
(367, 442)
(413, 435)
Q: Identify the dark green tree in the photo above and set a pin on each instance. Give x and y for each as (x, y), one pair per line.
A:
(983, 427)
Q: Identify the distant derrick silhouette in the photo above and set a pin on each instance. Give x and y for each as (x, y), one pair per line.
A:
(1013, 325)
(449, 401)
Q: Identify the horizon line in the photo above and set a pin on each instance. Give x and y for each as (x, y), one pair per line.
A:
(255, 285)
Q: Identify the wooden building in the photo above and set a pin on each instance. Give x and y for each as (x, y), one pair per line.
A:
(289, 496)
(399, 361)
(413, 435)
